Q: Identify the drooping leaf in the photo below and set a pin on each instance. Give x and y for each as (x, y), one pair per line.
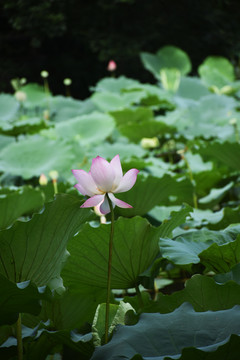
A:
(35, 250)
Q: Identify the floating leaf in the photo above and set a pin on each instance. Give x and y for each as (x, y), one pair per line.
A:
(31, 157)
(90, 128)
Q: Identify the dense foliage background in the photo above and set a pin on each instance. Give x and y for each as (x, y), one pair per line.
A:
(72, 38)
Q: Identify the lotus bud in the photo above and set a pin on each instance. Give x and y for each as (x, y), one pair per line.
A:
(44, 74)
(150, 143)
(43, 180)
(20, 96)
(53, 174)
(112, 66)
(67, 82)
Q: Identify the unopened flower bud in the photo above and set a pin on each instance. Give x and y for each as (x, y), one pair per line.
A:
(23, 81)
(44, 74)
(53, 174)
(43, 180)
(20, 96)
(233, 121)
(67, 82)
(46, 114)
(148, 143)
(111, 65)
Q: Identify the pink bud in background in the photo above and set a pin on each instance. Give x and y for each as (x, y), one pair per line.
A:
(111, 65)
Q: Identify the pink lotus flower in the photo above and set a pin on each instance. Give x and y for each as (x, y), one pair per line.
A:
(112, 65)
(104, 178)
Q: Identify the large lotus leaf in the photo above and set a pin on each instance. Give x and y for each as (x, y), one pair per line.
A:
(19, 298)
(36, 96)
(36, 155)
(155, 97)
(216, 70)
(202, 292)
(5, 141)
(215, 196)
(151, 191)
(115, 85)
(166, 57)
(17, 202)
(136, 115)
(23, 126)
(149, 128)
(229, 348)
(35, 250)
(91, 128)
(107, 101)
(233, 275)
(135, 247)
(209, 117)
(177, 218)
(157, 336)
(226, 216)
(191, 88)
(218, 250)
(124, 149)
(42, 341)
(69, 310)
(226, 153)
(8, 107)
(65, 108)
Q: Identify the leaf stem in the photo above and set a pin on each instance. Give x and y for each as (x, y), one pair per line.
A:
(139, 295)
(19, 338)
(109, 269)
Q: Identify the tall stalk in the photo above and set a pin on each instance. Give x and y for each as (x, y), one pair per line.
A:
(19, 338)
(109, 270)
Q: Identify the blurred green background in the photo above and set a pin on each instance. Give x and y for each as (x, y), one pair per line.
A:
(76, 39)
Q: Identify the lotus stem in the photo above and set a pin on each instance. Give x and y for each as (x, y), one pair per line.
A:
(19, 338)
(109, 269)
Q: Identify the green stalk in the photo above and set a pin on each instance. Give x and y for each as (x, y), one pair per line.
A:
(19, 338)
(195, 199)
(109, 270)
(55, 186)
(139, 295)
